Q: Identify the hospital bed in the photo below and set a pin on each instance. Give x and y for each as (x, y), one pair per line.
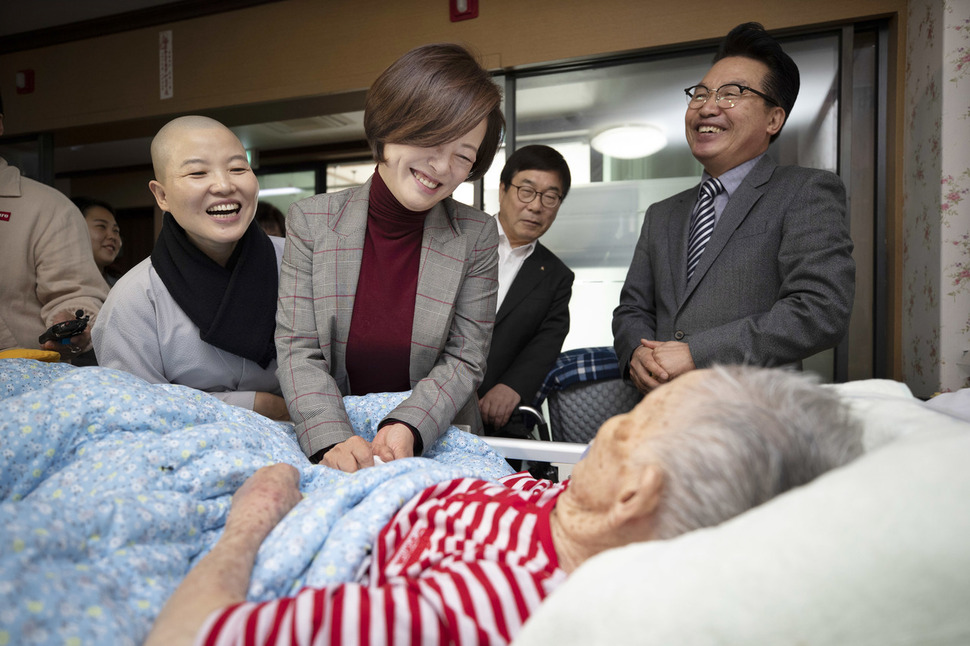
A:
(110, 489)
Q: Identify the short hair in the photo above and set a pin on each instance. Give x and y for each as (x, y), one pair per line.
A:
(754, 434)
(537, 157)
(750, 40)
(430, 96)
(267, 213)
(85, 203)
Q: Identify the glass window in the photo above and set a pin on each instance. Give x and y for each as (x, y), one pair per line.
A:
(348, 175)
(282, 189)
(599, 221)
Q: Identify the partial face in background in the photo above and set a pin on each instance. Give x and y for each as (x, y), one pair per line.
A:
(522, 221)
(421, 177)
(722, 139)
(207, 185)
(105, 235)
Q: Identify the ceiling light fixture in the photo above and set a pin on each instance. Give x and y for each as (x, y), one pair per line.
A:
(285, 190)
(629, 141)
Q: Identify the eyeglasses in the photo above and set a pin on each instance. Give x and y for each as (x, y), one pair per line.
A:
(730, 94)
(527, 194)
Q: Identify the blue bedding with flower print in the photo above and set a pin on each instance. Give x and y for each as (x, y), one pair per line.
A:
(111, 488)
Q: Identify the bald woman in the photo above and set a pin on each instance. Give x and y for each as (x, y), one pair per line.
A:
(201, 310)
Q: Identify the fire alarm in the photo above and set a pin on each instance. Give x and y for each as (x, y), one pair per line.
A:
(25, 81)
(463, 9)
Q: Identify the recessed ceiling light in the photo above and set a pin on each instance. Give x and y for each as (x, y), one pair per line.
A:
(629, 141)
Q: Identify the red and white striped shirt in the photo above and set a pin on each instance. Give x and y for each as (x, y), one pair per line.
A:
(463, 562)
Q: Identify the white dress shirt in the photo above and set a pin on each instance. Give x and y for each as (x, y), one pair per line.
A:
(509, 262)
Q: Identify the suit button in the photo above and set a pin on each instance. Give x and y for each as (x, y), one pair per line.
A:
(679, 334)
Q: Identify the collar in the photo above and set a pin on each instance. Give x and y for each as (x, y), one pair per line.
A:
(732, 179)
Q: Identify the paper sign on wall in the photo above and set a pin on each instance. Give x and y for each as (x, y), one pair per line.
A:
(166, 80)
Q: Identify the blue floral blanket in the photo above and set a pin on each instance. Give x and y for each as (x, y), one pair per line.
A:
(111, 488)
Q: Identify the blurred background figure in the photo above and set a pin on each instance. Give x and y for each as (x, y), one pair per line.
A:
(270, 219)
(48, 271)
(105, 234)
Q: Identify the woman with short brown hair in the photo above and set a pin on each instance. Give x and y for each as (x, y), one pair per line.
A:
(391, 286)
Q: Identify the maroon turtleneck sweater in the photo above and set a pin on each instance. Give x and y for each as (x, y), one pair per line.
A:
(379, 344)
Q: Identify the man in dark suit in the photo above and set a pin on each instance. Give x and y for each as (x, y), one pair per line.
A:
(532, 318)
(763, 273)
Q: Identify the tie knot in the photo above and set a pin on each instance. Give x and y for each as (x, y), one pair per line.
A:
(712, 187)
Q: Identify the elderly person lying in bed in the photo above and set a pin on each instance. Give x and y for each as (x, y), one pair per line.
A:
(468, 561)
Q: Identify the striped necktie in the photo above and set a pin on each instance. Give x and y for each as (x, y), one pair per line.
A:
(701, 224)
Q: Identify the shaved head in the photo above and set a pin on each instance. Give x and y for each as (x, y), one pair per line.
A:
(203, 178)
(163, 142)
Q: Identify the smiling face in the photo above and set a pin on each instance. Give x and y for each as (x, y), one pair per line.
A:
(524, 222)
(105, 235)
(421, 177)
(723, 139)
(204, 180)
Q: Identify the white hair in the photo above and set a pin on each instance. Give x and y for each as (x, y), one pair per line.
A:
(752, 434)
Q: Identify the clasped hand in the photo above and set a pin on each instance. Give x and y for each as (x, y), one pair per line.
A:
(391, 442)
(657, 362)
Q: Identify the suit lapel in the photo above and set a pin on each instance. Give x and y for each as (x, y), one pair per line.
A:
(677, 240)
(440, 276)
(532, 272)
(738, 208)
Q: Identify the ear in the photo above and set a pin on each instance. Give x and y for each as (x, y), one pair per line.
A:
(639, 496)
(776, 119)
(159, 192)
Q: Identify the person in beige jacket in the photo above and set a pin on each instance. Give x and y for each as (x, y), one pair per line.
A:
(49, 270)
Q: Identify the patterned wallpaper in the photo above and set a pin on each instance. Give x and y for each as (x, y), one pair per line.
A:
(936, 202)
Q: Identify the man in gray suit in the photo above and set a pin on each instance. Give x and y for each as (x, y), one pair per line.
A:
(755, 264)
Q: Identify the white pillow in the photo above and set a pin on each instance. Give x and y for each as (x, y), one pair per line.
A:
(886, 408)
(877, 552)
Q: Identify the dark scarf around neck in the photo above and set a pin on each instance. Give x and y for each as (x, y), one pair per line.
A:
(233, 306)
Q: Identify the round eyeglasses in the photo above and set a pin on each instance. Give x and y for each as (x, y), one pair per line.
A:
(527, 194)
(726, 96)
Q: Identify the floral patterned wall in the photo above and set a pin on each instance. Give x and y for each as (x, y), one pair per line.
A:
(936, 203)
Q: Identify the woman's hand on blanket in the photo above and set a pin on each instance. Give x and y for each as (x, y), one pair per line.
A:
(393, 441)
(271, 406)
(262, 502)
(350, 455)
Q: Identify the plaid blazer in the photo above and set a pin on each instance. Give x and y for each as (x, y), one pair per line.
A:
(453, 316)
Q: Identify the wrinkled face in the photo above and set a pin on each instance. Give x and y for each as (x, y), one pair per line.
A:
(723, 139)
(105, 235)
(524, 222)
(421, 177)
(595, 477)
(209, 188)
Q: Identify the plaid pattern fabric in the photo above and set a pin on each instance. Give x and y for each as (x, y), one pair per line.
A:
(581, 364)
(453, 317)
